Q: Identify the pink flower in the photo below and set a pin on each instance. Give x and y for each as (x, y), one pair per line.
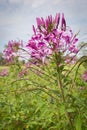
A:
(57, 19)
(23, 73)
(4, 72)
(84, 76)
(31, 45)
(72, 48)
(34, 30)
(47, 25)
(82, 87)
(49, 38)
(27, 65)
(63, 23)
(41, 53)
(12, 49)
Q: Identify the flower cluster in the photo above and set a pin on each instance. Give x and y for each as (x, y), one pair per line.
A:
(12, 49)
(51, 35)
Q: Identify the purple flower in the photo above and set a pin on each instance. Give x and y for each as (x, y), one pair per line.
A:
(72, 48)
(47, 25)
(41, 53)
(34, 30)
(49, 37)
(31, 45)
(57, 19)
(12, 49)
(63, 23)
(4, 72)
(23, 73)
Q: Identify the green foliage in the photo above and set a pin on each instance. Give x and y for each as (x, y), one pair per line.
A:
(39, 101)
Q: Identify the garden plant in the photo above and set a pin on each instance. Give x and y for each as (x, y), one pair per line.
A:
(49, 90)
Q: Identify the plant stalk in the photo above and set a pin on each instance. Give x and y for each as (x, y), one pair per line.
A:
(60, 85)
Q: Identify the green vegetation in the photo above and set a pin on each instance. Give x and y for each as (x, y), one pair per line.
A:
(35, 102)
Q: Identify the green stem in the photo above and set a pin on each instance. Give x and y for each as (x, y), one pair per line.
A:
(60, 85)
(59, 81)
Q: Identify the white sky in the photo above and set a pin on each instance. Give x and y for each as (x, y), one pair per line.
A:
(18, 16)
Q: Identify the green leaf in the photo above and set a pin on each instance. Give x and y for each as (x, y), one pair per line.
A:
(78, 122)
(2, 84)
(70, 110)
(62, 109)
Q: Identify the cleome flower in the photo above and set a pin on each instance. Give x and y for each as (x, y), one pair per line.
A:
(51, 35)
(12, 49)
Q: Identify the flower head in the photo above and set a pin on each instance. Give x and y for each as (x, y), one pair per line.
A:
(12, 49)
(50, 37)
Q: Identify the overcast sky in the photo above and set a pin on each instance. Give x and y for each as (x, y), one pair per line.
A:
(18, 16)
